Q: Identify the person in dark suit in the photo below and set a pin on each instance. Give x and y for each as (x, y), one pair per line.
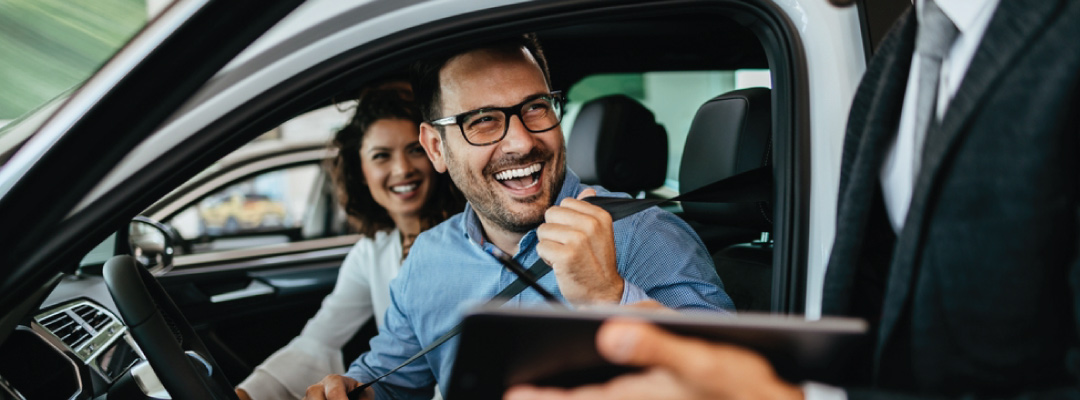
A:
(958, 226)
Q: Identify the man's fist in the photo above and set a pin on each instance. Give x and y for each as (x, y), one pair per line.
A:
(578, 242)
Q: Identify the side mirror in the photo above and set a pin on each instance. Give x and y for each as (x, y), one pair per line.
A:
(151, 244)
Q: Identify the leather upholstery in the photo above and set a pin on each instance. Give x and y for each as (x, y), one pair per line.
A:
(616, 143)
(730, 134)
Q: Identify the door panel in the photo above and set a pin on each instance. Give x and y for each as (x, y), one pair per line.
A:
(261, 238)
(248, 309)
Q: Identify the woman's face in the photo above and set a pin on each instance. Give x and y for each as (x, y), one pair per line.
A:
(396, 169)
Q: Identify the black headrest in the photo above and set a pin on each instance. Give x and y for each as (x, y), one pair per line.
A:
(730, 134)
(616, 143)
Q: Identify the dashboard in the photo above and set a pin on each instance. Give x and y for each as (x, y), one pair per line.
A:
(73, 347)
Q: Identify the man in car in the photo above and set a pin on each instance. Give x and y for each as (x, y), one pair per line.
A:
(957, 226)
(493, 124)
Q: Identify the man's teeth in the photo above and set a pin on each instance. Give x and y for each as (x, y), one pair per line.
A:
(518, 173)
(403, 188)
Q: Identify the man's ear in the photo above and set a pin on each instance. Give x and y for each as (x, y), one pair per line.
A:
(432, 142)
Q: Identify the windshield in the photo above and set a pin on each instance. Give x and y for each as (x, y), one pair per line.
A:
(50, 47)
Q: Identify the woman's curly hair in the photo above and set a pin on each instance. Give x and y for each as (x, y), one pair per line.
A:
(365, 215)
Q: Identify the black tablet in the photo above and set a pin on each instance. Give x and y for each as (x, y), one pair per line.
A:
(499, 348)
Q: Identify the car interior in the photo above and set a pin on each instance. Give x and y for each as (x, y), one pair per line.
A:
(655, 109)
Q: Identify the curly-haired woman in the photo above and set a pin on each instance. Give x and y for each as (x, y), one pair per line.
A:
(391, 193)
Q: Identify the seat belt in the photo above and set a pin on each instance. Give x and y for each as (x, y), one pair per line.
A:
(747, 187)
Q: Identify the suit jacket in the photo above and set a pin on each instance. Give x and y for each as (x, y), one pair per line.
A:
(980, 293)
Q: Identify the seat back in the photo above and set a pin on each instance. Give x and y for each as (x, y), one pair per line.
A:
(730, 134)
(616, 143)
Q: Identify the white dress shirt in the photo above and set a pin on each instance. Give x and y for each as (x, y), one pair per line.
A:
(897, 173)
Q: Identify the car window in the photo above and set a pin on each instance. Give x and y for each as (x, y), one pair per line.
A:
(270, 192)
(274, 207)
(673, 97)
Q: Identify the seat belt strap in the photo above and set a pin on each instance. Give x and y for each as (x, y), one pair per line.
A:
(747, 187)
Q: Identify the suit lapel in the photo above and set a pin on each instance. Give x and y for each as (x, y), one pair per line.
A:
(875, 112)
(1013, 25)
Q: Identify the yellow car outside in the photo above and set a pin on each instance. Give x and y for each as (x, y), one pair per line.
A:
(238, 212)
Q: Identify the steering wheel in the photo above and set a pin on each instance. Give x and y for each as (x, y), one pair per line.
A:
(164, 335)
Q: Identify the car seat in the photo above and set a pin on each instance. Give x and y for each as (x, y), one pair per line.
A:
(730, 134)
(616, 143)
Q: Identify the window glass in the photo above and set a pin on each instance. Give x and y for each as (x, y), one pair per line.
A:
(273, 207)
(100, 253)
(279, 201)
(673, 97)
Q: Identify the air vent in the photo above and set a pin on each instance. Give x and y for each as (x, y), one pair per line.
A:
(82, 326)
(73, 333)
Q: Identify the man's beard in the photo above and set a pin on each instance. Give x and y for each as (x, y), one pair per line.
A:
(483, 198)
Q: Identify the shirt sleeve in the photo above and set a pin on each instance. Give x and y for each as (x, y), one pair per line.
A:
(316, 352)
(667, 260)
(632, 294)
(821, 391)
(349, 306)
(395, 343)
(288, 372)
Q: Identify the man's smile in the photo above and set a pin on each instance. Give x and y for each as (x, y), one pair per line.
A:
(520, 179)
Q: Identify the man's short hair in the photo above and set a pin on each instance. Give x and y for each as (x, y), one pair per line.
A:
(425, 73)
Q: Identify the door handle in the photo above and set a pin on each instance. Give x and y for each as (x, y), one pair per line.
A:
(255, 288)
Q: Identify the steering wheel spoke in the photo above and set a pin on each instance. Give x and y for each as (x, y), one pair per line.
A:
(171, 345)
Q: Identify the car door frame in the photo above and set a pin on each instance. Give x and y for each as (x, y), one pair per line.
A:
(120, 105)
(779, 36)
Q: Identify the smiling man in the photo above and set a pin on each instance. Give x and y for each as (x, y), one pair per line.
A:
(493, 124)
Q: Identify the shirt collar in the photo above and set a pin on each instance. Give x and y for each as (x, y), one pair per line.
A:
(965, 14)
(473, 230)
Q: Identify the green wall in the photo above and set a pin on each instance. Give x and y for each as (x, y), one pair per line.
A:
(673, 97)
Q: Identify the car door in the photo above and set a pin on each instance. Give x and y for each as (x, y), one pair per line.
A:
(259, 237)
(98, 125)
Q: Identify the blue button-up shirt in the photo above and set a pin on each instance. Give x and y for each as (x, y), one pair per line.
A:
(450, 268)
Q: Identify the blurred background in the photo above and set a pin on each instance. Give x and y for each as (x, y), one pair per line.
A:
(49, 46)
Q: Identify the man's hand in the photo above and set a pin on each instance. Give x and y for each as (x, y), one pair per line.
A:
(675, 368)
(335, 387)
(578, 241)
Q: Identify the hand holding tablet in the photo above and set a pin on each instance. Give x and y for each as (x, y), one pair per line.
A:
(504, 348)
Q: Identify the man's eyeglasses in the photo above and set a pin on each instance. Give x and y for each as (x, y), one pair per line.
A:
(485, 126)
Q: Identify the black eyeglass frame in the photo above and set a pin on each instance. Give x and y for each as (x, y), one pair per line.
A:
(556, 98)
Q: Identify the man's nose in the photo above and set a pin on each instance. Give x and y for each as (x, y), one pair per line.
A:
(518, 139)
